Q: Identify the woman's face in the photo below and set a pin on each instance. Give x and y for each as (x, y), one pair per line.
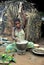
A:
(17, 24)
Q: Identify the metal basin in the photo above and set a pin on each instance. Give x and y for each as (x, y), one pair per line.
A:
(22, 45)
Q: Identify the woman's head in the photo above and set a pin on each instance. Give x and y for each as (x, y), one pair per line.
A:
(17, 22)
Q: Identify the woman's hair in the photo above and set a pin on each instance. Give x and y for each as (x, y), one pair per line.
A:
(17, 19)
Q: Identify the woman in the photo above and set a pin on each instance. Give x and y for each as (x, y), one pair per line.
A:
(17, 31)
(18, 35)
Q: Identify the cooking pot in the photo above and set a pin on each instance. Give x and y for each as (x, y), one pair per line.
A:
(22, 45)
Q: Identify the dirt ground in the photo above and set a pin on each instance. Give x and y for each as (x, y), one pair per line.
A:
(29, 58)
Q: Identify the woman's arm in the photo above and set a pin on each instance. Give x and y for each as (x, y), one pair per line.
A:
(13, 34)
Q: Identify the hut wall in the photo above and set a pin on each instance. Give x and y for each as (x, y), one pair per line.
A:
(33, 27)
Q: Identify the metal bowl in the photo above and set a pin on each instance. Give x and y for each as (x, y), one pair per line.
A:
(22, 45)
(38, 51)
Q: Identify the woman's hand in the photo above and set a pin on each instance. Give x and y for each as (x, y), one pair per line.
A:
(17, 40)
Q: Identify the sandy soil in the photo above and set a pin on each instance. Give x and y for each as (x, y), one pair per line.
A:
(28, 59)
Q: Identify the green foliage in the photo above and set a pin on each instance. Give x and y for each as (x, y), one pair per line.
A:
(9, 58)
